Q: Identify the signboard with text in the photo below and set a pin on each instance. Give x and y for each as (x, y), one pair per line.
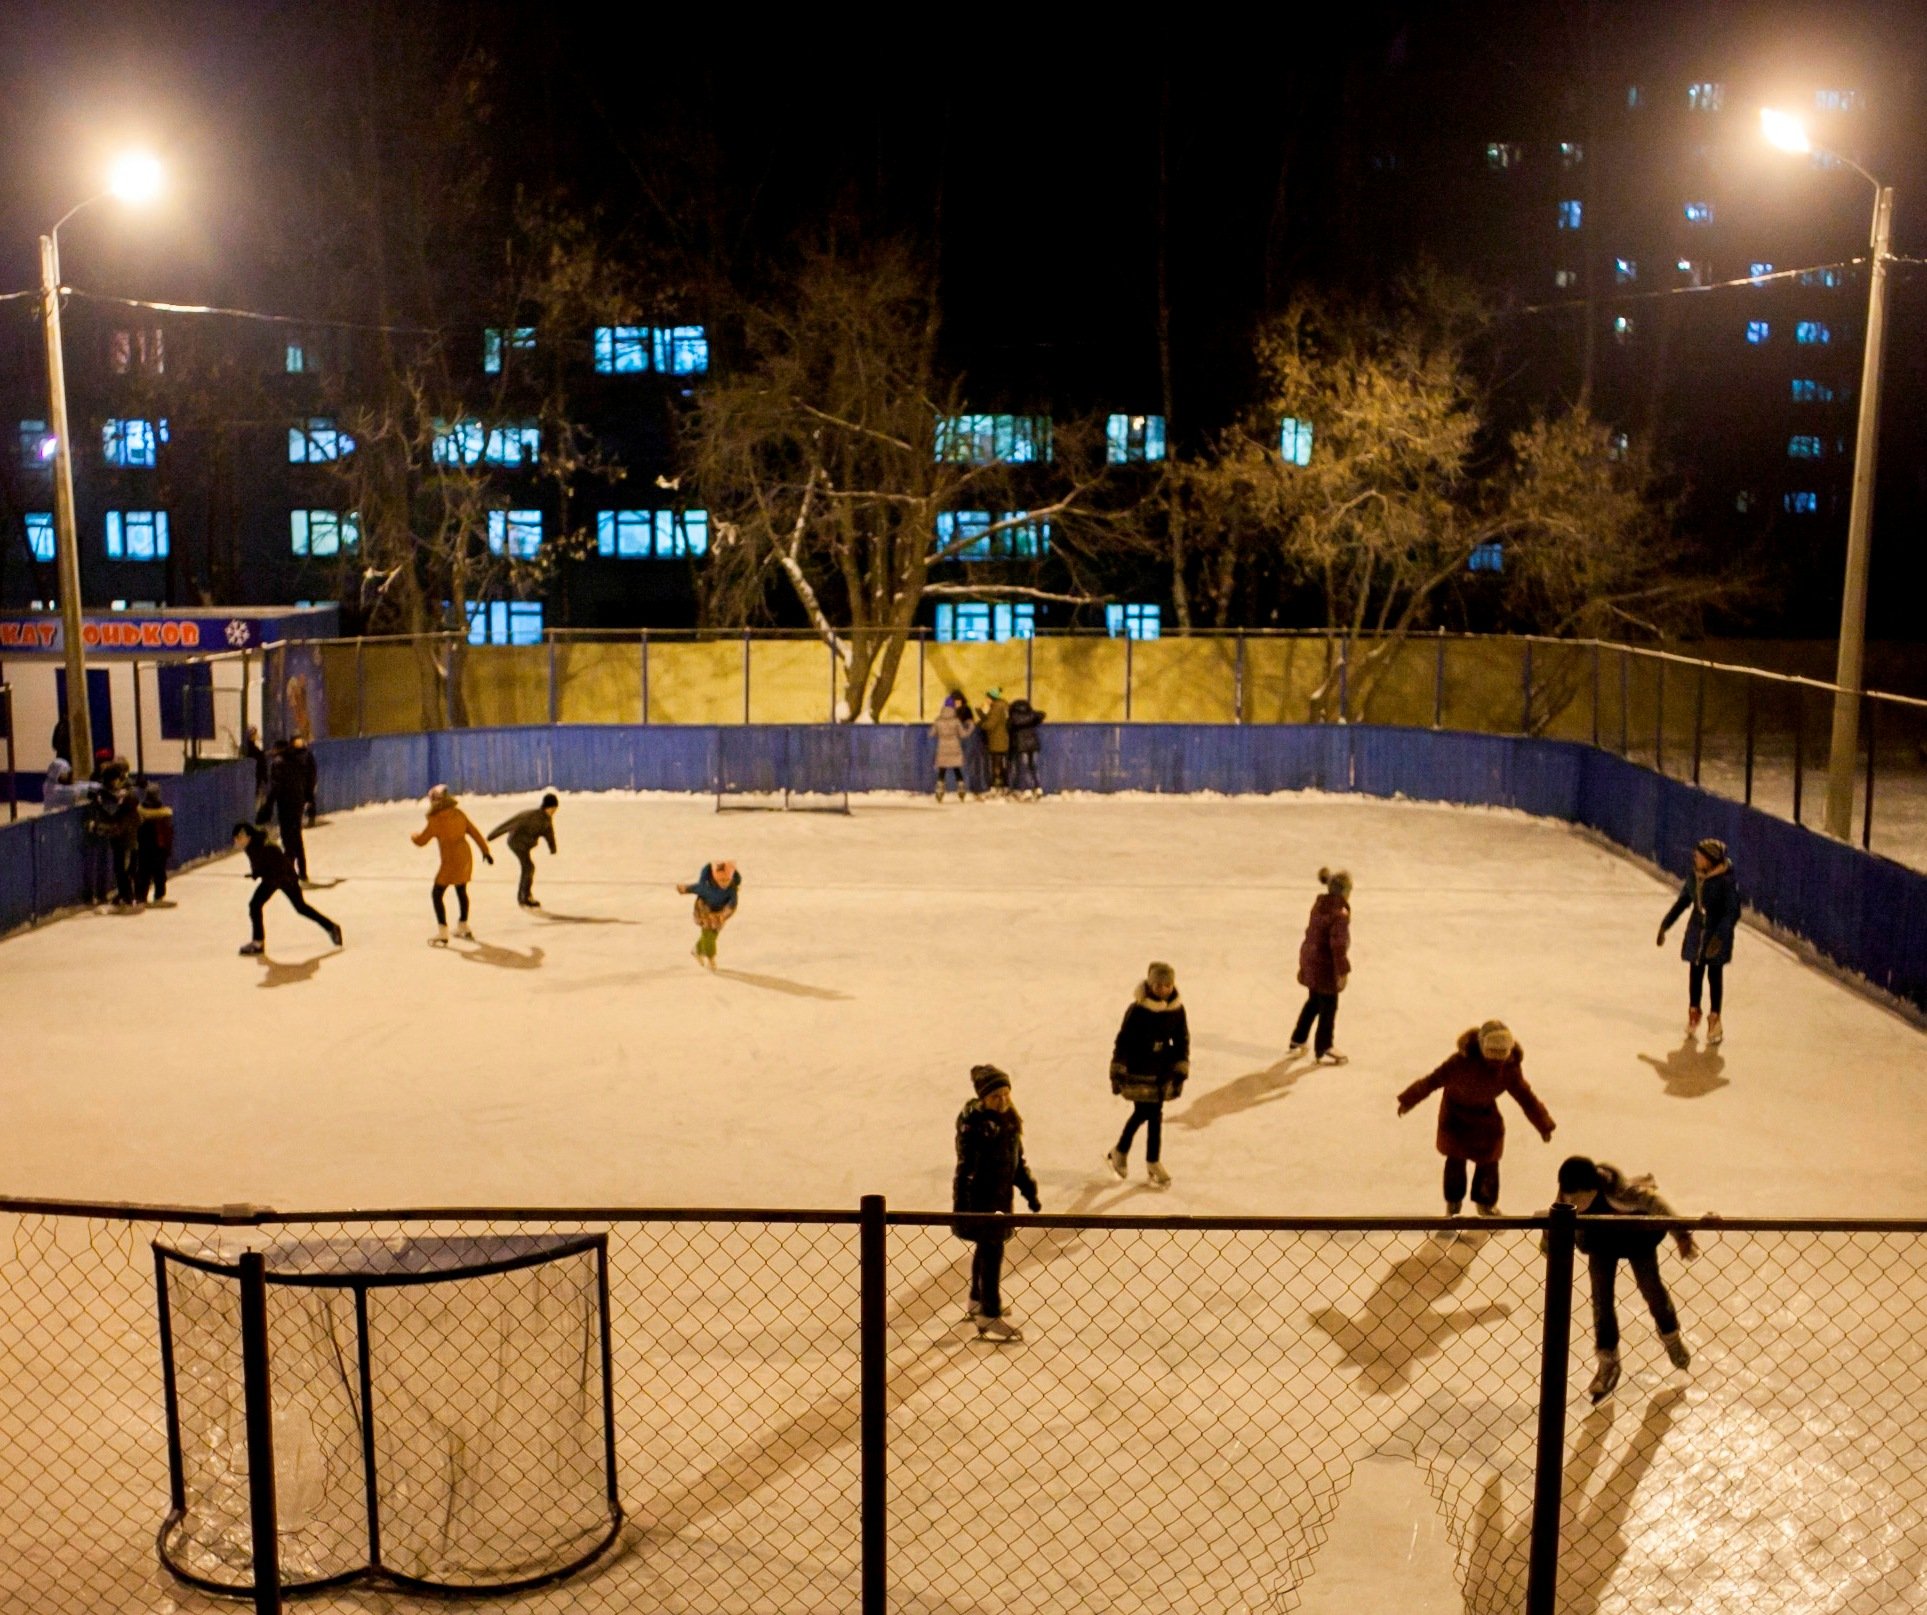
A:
(180, 633)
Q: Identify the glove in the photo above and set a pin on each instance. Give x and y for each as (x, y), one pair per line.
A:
(1343, 979)
(1687, 1247)
(1403, 1107)
(1660, 940)
(1035, 1204)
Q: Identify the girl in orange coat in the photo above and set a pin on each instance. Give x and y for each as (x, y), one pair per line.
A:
(451, 829)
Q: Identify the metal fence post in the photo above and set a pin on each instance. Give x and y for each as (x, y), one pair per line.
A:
(829, 652)
(1129, 641)
(1344, 683)
(1030, 667)
(244, 700)
(1799, 745)
(874, 1398)
(1595, 694)
(1238, 681)
(555, 710)
(260, 1427)
(140, 727)
(1548, 1481)
(921, 644)
(645, 675)
(1625, 703)
(13, 782)
(1699, 720)
(1525, 717)
(1866, 728)
(361, 692)
(1659, 718)
(1751, 683)
(745, 675)
(1438, 683)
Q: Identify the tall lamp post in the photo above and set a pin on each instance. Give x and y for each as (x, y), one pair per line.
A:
(1789, 133)
(135, 178)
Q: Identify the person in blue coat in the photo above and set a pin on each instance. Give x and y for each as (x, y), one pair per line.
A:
(715, 892)
(1713, 896)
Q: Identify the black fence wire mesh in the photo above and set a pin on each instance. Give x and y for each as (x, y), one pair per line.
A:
(1178, 1428)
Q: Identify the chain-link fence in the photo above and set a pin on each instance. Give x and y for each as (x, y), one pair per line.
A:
(1177, 1429)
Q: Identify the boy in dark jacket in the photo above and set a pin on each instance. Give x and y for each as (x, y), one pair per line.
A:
(116, 819)
(1325, 966)
(155, 847)
(285, 802)
(273, 872)
(990, 1168)
(1713, 895)
(524, 830)
(1024, 722)
(1149, 1062)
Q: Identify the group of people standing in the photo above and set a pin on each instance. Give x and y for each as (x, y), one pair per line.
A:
(988, 750)
(125, 814)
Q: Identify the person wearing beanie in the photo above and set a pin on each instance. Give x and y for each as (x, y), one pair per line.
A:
(1025, 721)
(1149, 1061)
(1324, 966)
(451, 830)
(994, 721)
(715, 892)
(1600, 1193)
(155, 846)
(524, 830)
(1487, 1062)
(990, 1170)
(1713, 895)
(273, 871)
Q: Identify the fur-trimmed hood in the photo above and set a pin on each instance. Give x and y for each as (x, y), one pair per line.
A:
(1143, 999)
(1469, 1047)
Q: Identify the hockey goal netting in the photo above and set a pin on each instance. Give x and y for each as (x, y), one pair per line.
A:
(802, 768)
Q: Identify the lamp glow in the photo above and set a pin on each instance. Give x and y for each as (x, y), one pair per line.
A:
(136, 177)
(1784, 130)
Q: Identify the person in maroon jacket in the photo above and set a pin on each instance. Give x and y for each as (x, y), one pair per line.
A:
(1325, 965)
(1487, 1063)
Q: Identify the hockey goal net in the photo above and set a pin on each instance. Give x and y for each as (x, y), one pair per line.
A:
(798, 768)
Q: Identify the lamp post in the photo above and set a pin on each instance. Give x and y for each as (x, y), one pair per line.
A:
(1789, 134)
(134, 179)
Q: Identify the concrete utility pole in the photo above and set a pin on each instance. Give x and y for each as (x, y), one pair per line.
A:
(80, 728)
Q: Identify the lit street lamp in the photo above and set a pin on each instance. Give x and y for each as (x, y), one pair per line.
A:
(135, 178)
(1789, 133)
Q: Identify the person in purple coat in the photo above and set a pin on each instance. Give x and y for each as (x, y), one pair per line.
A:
(1325, 966)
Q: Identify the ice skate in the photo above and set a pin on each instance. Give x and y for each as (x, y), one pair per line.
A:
(334, 935)
(1676, 1350)
(1605, 1377)
(998, 1329)
(440, 938)
(939, 792)
(1118, 1162)
(529, 902)
(1333, 1057)
(1715, 1033)
(1445, 1236)
(463, 933)
(1693, 1022)
(1154, 1170)
(1488, 1211)
(1293, 1050)
(250, 949)
(973, 1309)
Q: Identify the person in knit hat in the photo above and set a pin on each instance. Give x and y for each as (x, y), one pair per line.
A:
(1149, 1061)
(990, 1170)
(1325, 965)
(1713, 895)
(1600, 1193)
(155, 847)
(1487, 1062)
(994, 722)
(451, 829)
(715, 892)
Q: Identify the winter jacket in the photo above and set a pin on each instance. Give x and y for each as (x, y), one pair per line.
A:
(1470, 1126)
(1152, 1054)
(117, 818)
(1621, 1196)
(524, 830)
(304, 772)
(60, 791)
(288, 787)
(994, 720)
(1714, 899)
(268, 862)
(449, 826)
(157, 830)
(1325, 954)
(1024, 721)
(719, 899)
(950, 729)
(990, 1163)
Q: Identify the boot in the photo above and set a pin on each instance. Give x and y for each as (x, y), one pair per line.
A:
(1676, 1350)
(1154, 1170)
(463, 932)
(334, 935)
(1293, 1050)
(1693, 1021)
(1605, 1378)
(1333, 1057)
(999, 1329)
(1488, 1211)
(1445, 1236)
(250, 949)
(1715, 1033)
(1118, 1162)
(972, 1309)
(440, 938)
(939, 790)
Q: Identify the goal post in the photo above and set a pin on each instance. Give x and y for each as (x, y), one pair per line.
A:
(783, 768)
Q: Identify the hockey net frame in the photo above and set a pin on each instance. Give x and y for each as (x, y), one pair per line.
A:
(782, 768)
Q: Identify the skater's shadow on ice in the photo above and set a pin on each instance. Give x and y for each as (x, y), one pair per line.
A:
(1401, 1326)
(322, 885)
(554, 918)
(1244, 1093)
(778, 984)
(287, 975)
(1231, 1045)
(490, 953)
(1690, 1073)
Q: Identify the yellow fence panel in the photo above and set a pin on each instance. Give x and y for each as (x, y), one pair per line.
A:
(698, 681)
(504, 685)
(1398, 690)
(974, 669)
(598, 681)
(789, 682)
(1562, 691)
(338, 680)
(1078, 680)
(401, 687)
(1485, 685)
(1281, 675)
(1185, 680)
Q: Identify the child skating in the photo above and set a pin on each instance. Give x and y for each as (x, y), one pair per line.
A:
(1149, 1061)
(524, 830)
(715, 892)
(1488, 1062)
(990, 1170)
(1324, 966)
(452, 830)
(1713, 895)
(273, 871)
(1599, 1193)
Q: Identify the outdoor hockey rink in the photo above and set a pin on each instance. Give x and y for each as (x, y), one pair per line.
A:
(1190, 1416)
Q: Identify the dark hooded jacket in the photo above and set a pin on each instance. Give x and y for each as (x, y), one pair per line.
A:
(1024, 722)
(990, 1163)
(1152, 1054)
(1714, 902)
(524, 830)
(268, 862)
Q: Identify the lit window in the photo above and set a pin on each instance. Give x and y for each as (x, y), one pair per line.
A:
(639, 535)
(1828, 278)
(1694, 270)
(674, 350)
(1622, 328)
(1813, 333)
(1804, 448)
(1836, 100)
(1743, 501)
(470, 443)
(136, 352)
(1705, 96)
(1294, 441)
(40, 534)
(322, 532)
(317, 441)
(1757, 271)
(297, 359)
(37, 445)
(994, 439)
(981, 622)
(505, 622)
(621, 350)
(1503, 154)
(971, 530)
(1617, 445)
(682, 350)
(1808, 391)
(1571, 154)
(1758, 331)
(136, 535)
(1699, 212)
(1132, 438)
(500, 340)
(1564, 279)
(1570, 212)
(1132, 621)
(1625, 271)
(131, 443)
(1802, 504)
(515, 533)
(1635, 97)
(1487, 558)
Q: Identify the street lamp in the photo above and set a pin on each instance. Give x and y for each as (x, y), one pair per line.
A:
(134, 178)
(1789, 133)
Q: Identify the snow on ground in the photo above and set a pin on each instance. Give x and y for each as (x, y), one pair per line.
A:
(1180, 1427)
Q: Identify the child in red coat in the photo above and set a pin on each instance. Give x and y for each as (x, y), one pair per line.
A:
(1487, 1063)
